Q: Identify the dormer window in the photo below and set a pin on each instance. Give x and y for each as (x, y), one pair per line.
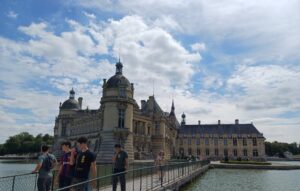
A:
(122, 92)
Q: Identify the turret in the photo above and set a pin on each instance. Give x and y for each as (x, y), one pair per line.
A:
(183, 119)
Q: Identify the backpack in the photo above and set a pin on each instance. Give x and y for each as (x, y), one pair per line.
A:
(48, 163)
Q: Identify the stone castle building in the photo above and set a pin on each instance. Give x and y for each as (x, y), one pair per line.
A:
(145, 130)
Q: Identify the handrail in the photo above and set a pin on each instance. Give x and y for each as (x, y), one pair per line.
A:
(127, 171)
(12, 182)
(24, 174)
(54, 170)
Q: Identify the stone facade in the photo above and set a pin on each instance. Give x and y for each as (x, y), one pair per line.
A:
(217, 141)
(143, 130)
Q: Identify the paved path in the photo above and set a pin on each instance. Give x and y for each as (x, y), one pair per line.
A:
(152, 182)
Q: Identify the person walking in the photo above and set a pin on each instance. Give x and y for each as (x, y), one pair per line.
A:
(159, 163)
(120, 160)
(84, 162)
(66, 170)
(46, 163)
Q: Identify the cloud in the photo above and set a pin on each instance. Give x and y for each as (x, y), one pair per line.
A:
(270, 88)
(248, 72)
(198, 47)
(266, 27)
(12, 14)
(58, 61)
(89, 15)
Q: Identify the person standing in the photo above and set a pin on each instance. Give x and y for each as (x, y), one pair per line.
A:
(46, 163)
(120, 160)
(84, 163)
(66, 170)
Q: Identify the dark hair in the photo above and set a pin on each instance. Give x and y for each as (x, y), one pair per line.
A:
(45, 148)
(66, 143)
(82, 140)
(118, 146)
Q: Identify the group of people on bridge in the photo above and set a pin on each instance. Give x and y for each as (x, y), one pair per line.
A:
(77, 164)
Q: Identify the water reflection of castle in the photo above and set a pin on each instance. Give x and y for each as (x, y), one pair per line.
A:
(145, 130)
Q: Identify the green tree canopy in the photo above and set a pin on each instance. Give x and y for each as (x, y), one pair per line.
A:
(279, 148)
(24, 143)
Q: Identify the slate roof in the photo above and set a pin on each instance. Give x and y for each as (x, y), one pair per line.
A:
(70, 104)
(219, 129)
(117, 80)
(149, 107)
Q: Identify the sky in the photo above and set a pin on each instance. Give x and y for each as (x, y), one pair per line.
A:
(218, 60)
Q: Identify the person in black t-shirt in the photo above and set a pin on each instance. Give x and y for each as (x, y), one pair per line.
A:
(120, 160)
(84, 162)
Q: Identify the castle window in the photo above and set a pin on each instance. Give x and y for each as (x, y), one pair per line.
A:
(64, 129)
(198, 141)
(245, 152)
(206, 141)
(255, 153)
(189, 141)
(234, 140)
(244, 142)
(216, 152)
(135, 129)
(198, 152)
(190, 151)
(235, 152)
(225, 141)
(96, 145)
(254, 141)
(225, 152)
(121, 118)
(216, 142)
(181, 142)
(207, 152)
(157, 131)
(122, 92)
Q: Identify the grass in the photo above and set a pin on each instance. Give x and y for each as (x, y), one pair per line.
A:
(246, 162)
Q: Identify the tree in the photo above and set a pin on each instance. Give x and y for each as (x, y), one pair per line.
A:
(24, 143)
(279, 148)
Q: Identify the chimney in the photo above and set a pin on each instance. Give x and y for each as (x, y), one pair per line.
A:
(219, 122)
(236, 121)
(104, 82)
(199, 122)
(143, 104)
(80, 102)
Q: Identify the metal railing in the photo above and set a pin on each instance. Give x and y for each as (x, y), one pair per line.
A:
(142, 179)
(26, 182)
(139, 177)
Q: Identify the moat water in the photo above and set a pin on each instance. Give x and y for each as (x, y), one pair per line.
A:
(213, 180)
(247, 180)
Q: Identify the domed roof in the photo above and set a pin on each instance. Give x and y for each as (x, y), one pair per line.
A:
(117, 80)
(70, 104)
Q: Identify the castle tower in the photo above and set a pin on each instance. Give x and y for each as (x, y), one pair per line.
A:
(117, 108)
